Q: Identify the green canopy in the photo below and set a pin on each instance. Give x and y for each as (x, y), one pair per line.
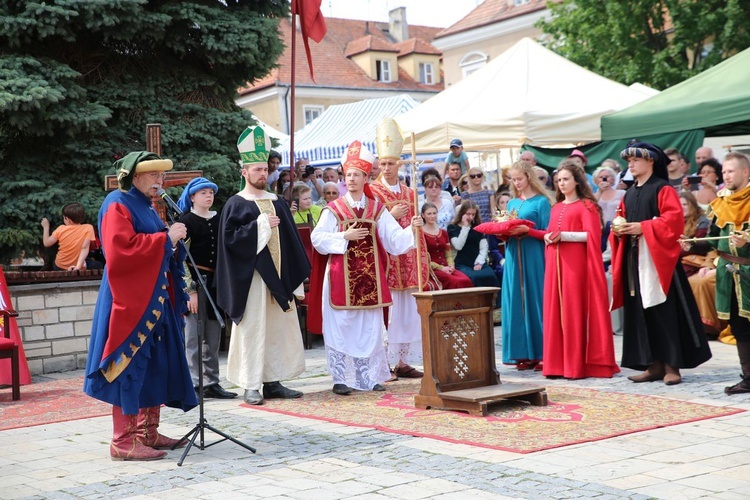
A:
(716, 101)
(597, 152)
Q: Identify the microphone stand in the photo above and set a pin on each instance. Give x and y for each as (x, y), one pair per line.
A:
(202, 424)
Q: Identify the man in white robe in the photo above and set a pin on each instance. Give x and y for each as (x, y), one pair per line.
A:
(354, 290)
(261, 267)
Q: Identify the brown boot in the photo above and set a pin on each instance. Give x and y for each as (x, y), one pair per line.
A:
(655, 371)
(672, 376)
(148, 421)
(743, 351)
(125, 444)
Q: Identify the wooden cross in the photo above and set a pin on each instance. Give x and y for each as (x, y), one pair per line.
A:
(153, 144)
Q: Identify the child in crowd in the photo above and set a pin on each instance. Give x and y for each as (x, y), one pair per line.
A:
(456, 155)
(305, 209)
(73, 236)
(497, 247)
(471, 249)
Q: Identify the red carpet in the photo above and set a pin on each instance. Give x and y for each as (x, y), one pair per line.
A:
(574, 415)
(49, 402)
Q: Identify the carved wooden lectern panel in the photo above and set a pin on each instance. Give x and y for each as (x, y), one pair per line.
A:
(459, 353)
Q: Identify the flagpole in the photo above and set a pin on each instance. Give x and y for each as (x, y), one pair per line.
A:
(292, 106)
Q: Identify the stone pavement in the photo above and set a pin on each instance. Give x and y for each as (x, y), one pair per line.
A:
(308, 459)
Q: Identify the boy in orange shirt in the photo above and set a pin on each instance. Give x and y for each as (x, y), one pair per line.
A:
(74, 237)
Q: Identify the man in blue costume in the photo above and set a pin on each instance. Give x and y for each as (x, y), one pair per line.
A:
(136, 358)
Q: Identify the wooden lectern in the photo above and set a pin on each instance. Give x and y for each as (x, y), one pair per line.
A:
(459, 353)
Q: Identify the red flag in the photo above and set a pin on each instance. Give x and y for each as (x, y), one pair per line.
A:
(312, 23)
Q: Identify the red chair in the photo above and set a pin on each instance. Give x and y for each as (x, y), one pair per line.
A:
(9, 349)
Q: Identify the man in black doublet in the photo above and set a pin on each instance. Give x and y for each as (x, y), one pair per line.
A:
(662, 330)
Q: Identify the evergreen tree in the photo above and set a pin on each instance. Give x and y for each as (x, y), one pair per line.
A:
(80, 79)
(655, 42)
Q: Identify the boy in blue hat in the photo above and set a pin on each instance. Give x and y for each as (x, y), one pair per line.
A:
(202, 236)
(456, 155)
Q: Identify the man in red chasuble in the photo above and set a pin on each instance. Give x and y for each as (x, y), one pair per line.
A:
(353, 238)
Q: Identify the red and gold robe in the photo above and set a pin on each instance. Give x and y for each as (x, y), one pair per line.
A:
(402, 273)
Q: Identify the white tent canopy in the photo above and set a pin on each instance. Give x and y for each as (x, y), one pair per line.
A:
(270, 131)
(324, 140)
(527, 95)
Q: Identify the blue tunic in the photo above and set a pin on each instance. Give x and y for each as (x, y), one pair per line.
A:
(136, 353)
(523, 285)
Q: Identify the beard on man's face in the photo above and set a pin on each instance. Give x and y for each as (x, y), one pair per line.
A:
(259, 183)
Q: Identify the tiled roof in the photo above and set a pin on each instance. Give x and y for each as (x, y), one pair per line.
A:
(333, 68)
(417, 46)
(366, 43)
(490, 12)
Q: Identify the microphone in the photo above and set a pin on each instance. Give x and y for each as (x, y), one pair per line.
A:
(169, 201)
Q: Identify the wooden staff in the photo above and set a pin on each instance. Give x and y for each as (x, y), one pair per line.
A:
(417, 233)
(415, 201)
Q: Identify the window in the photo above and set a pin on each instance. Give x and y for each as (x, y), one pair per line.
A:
(520, 2)
(426, 74)
(384, 70)
(312, 112)
(472, 62)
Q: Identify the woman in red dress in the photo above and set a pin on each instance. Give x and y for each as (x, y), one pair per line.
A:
(578, 340)
(439, 248)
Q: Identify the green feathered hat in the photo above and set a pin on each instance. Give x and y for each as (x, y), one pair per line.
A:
(138, 161)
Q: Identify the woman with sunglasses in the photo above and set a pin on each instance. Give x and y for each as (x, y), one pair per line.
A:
(523, 274)
(476, 193)
(463, 184)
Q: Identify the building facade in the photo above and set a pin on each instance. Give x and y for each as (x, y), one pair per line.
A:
(356, 60)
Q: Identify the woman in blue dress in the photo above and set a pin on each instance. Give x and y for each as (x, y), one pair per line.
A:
(523, 274)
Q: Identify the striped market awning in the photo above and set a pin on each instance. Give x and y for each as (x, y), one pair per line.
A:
(324, 140)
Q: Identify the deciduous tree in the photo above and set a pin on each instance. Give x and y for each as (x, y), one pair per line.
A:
(655, 42)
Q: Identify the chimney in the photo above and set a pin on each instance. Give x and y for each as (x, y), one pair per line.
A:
(397, 25)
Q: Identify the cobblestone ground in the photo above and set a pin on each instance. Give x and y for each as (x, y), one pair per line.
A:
(308, 459)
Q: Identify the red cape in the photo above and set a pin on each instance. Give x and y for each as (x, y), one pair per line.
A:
(127, 281)
(660, 234)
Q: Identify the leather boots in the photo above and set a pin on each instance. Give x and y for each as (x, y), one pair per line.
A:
(742, 387)
(655, 371)
(148, 422)
(125, 444)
